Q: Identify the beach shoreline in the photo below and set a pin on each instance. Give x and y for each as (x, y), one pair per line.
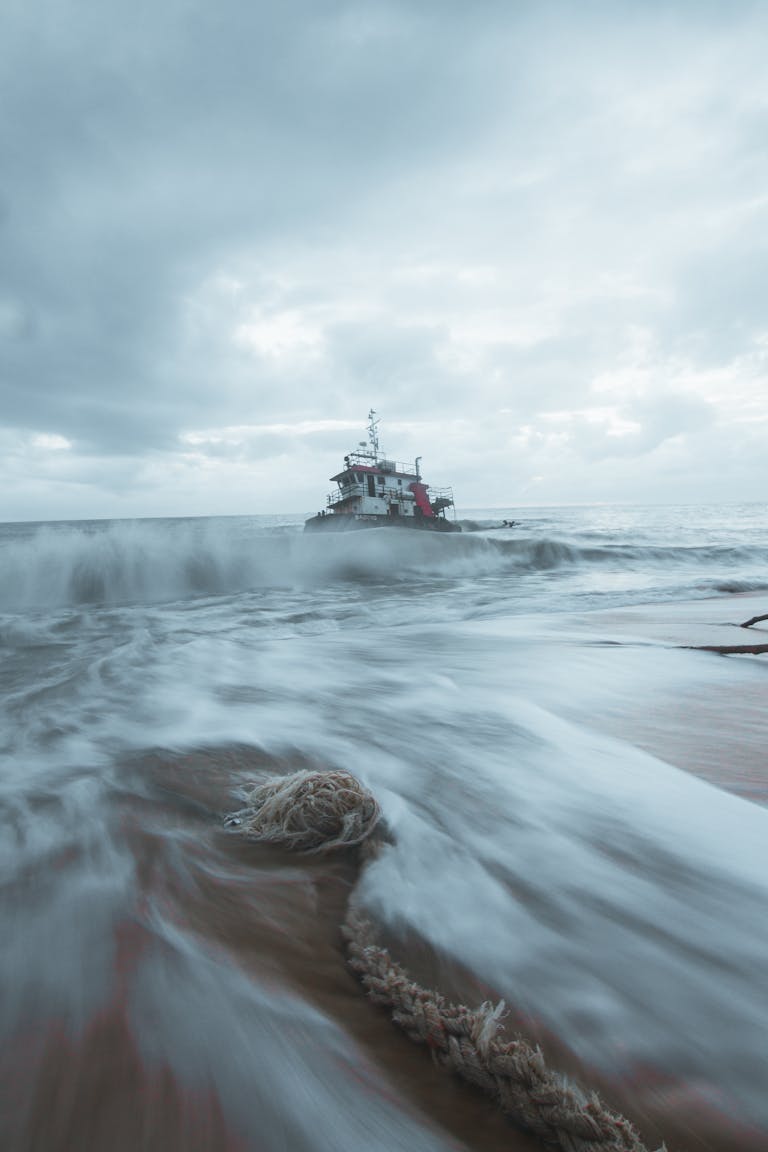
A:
(715, 731)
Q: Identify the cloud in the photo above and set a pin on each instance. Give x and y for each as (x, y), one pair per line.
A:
(470, 217)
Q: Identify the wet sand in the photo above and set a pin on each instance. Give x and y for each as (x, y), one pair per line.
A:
(719, 733)
(278, 918)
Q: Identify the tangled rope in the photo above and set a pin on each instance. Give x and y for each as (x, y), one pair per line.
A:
(308, 811)
(318, 811)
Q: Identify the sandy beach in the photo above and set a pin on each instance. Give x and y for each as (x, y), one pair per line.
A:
(716, 730)
(575, 798)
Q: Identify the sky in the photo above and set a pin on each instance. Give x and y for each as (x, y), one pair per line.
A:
(533, 236)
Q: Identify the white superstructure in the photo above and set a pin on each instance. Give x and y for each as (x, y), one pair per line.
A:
(373, 489)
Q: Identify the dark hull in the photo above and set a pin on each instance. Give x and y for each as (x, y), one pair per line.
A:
(338, 522)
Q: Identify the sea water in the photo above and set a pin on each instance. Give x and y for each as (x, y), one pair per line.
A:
(166, 986)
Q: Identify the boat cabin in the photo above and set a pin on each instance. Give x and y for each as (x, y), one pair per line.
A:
(373, 490)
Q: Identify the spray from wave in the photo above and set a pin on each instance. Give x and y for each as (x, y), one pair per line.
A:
(124, 562)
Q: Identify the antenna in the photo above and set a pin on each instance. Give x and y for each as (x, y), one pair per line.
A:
(373, 424)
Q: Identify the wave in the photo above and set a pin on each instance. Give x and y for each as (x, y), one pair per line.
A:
(156, 561)
(733, 587)
(551, 553)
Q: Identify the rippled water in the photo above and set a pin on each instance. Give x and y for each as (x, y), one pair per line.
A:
(167, 986)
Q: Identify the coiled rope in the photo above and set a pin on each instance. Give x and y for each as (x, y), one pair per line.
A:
(308, 812)
(319, 811)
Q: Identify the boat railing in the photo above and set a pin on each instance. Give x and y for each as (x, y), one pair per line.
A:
(366, 460)
(439, 498)
(396, 466)
(342, 494)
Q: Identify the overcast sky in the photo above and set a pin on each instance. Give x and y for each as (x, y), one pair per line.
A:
(533, 236)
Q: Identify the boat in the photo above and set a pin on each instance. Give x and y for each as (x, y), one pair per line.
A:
(376, 492)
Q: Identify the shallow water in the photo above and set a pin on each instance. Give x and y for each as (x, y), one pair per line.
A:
(172, 987)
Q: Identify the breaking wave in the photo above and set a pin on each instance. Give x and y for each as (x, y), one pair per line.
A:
(158, 561)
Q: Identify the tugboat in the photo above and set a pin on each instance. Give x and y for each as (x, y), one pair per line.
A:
(375, 492)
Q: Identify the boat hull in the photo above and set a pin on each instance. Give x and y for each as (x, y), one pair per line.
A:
(349, 522)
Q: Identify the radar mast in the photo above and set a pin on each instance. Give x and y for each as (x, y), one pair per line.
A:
(373, 436)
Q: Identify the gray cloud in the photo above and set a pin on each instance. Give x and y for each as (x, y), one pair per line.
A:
(472, 217)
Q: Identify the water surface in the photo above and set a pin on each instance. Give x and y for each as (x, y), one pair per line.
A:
(525, 731)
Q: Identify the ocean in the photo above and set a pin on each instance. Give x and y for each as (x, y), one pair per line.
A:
(576, 803)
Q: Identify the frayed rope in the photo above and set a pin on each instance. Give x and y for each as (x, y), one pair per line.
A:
(308, 812)
(320, 811)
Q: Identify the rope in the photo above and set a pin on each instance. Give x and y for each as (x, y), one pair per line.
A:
(317, 811)
(308, 812)
(465, 1040)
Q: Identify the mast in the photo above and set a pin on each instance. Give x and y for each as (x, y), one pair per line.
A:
(373, 437)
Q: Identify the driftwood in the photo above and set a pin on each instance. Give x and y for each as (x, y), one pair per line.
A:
(754, 620)
(735, 649)
(730, 649)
